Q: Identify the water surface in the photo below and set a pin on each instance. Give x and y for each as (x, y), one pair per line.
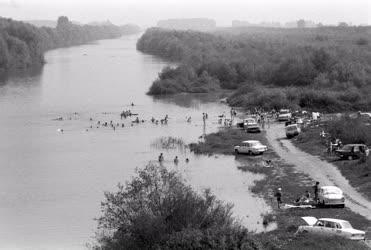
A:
(51, 183)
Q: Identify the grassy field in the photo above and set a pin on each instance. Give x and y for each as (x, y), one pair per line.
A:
(358, 173)
(293, 184)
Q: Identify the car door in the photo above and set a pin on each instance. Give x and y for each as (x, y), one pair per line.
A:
(329, 228)
(318, 227)
(338, 230)
(244, 148)
(356, 151)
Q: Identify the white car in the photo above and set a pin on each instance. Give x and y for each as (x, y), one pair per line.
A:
(292, 130)
(251, 125)
(284, 115)
(250, 147)
(331, 195)
(331, 227)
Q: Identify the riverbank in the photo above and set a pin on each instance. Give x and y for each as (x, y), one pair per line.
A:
(357, 172)
(293, 184)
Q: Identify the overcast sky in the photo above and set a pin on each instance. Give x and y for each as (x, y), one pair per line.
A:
(148, 12)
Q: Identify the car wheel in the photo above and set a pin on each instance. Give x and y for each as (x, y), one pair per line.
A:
(249, 153)
(236, 151)
(350, 157)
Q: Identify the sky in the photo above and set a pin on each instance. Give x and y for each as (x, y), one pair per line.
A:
(147, 12)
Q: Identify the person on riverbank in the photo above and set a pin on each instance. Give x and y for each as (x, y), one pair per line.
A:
(278, 196)
(315, 189)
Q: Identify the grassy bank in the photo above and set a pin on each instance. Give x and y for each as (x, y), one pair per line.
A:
(293, 184)
(349, 131)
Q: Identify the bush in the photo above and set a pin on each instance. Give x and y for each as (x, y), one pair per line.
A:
(350, 130)
(156, 210)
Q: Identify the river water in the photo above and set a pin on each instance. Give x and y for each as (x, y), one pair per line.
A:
(51, 183)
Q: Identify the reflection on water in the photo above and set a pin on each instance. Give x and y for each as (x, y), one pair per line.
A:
(52, 182)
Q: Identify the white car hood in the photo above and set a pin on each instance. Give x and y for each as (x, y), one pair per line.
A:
(310, 220)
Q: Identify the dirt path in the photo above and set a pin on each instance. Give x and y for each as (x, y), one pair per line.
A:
(322, 171)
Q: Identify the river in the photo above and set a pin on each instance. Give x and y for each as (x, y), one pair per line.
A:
(51, 183)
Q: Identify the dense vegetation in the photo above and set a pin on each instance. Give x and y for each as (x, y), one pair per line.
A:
(156, 210)
(23, 45)
(327, 68)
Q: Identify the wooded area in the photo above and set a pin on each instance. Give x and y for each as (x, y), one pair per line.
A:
(23, 45)
(327, 68)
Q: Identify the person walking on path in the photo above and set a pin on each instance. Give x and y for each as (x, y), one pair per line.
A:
(278, 196)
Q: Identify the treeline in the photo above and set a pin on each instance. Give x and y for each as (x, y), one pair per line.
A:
(326, 68)
(23, 45)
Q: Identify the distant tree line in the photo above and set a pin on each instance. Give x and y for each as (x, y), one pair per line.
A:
(23, 45)
(327, 68)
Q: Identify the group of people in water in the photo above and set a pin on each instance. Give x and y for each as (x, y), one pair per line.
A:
(161, 159)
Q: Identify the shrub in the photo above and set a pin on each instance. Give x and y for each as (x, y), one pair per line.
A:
(156, 210)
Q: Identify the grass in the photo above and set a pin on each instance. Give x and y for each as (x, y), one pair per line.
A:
(293, 184)
(357, 172)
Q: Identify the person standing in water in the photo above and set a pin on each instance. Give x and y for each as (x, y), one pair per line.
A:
(176, 160)
(161, 158)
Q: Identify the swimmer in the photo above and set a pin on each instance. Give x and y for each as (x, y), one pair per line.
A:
(176, 160)
(187, 160)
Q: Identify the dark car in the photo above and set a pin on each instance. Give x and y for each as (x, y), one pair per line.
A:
(352, 151)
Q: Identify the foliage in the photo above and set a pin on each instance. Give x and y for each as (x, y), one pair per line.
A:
(23, 45)
(156, 210)
(350, 130)
(329, 67)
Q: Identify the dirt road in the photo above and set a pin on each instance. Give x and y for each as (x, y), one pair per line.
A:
(317, 169)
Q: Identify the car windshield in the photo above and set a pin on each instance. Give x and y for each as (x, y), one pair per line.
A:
(346, 225)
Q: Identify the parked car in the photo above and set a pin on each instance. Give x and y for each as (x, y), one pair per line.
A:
(284, 115)
(331, 227)
(251, 125)
(331, 195)
(250, 147)
(292, 130)
(352, 151)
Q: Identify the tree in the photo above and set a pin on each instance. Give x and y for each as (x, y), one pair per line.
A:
(156, 210)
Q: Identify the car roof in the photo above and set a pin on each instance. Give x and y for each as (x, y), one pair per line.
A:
(250, 141)
(332, 220)
(330, 187)
(354, 144)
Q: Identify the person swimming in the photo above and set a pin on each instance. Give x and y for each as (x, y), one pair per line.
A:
(176, 160)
